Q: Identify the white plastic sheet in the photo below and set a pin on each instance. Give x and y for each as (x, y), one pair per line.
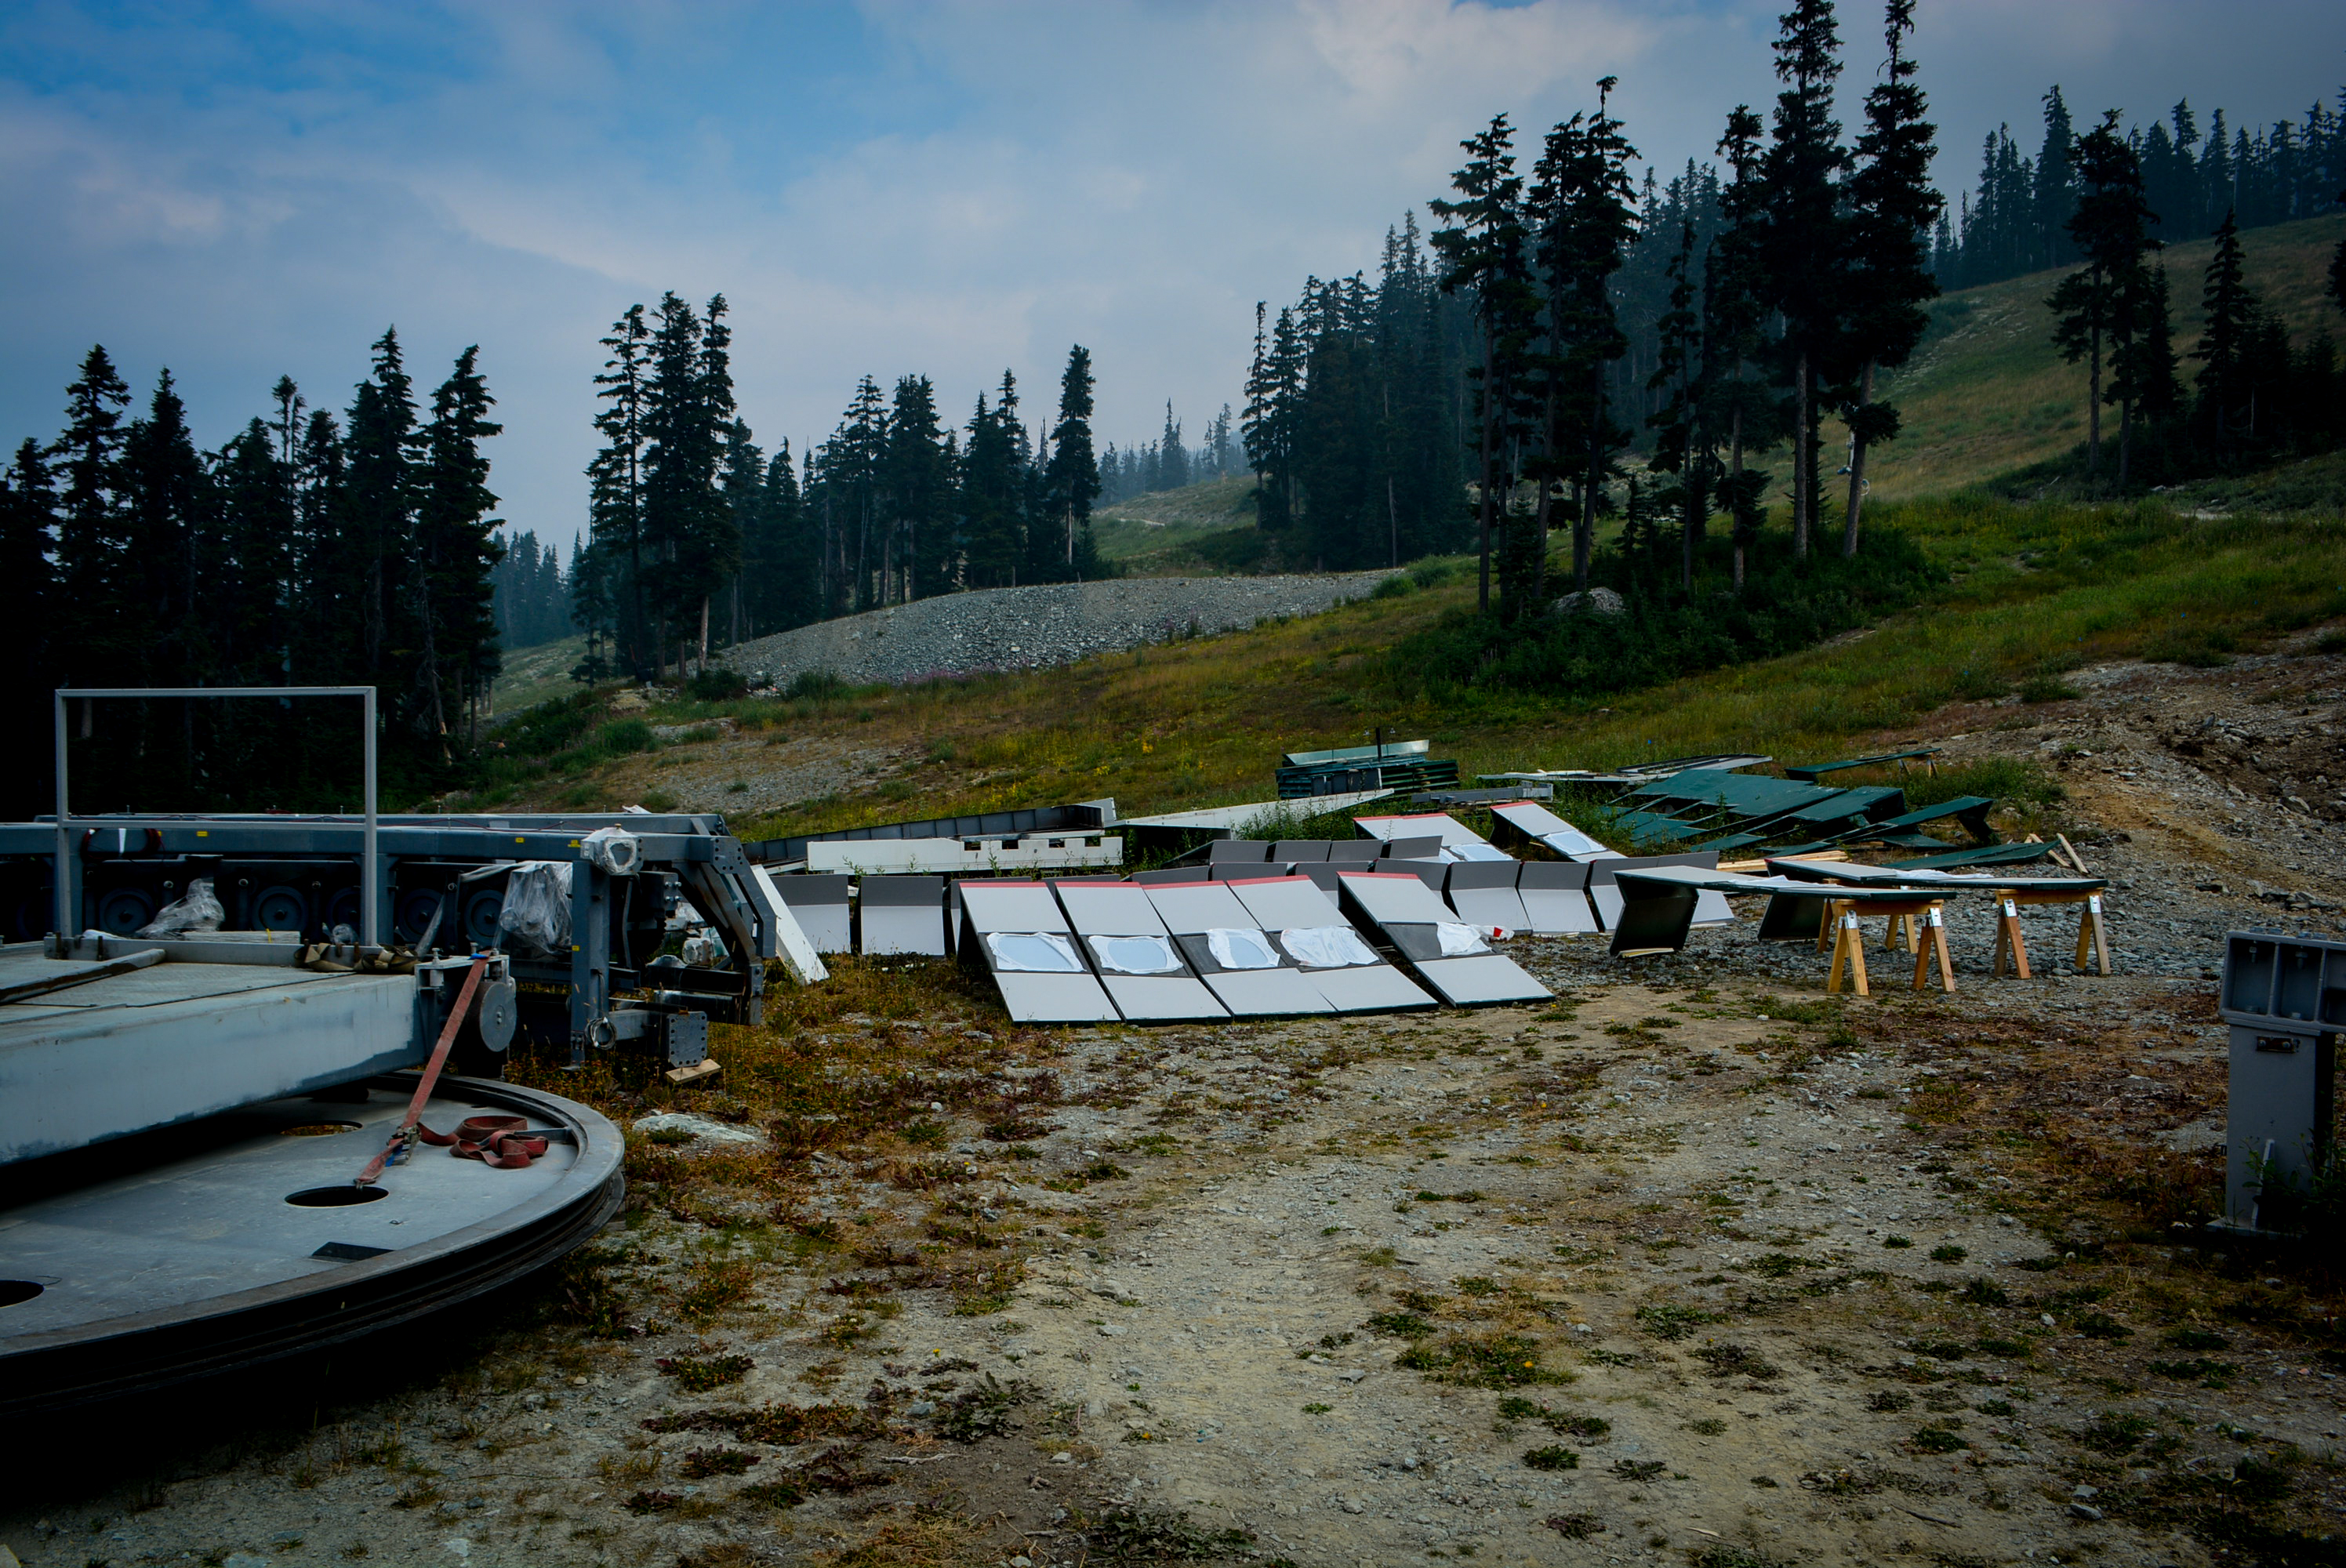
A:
(536, 919)
(614, 850)
(1460, 940)
(196, 910)
(1239, 948)
(1033, 952)
(1135, 954)
(1326, 946)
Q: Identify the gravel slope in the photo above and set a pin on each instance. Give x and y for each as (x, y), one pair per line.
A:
(1028, 628)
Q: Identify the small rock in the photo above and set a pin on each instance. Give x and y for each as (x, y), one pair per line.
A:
(1351, 1375)
(2084, 1493)
(1352, 1505)
(1063, 1459)
(1110, 1330)
(243, 1559)
(2084, 1511)
(1022, 1561)
(1595, 602)
(921, 1408)
(700, 1129)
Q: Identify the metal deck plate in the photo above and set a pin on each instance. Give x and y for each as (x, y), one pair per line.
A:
(903, 915)
(1161, 998)
(174, 1254)
(1268, 992)
(1480, 980)
(1368, 988)
(820, 902)
(1055, 999)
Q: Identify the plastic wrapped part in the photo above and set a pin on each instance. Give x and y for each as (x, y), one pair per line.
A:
(1033, 952)
(617, 851)
(1460, 940)
(1135, 955)
(196, 910)
(536, 919)
(1327, 947)
(1239, 948)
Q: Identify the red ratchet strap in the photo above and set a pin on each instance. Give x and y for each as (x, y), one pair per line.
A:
(402, 1142)
(502, 1142)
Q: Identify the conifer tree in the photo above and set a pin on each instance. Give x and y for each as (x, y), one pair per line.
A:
(93, 605)
(380, 505)
(1484, 249)
(1585, 221)
(454, 550)
(249, 570)
(611, 596)
(1891, 206)
(918, 481)
(1807, 246)
(2054, 196)
(2230, 310)
(2111, 229)
(1075, 478)
(1735, 310)
(29, 525)
(169, 520)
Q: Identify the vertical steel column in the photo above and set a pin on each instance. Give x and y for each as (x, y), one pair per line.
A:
(370, 869)
(61, 880)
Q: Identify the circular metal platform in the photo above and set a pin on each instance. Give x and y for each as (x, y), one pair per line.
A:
(153, 1260)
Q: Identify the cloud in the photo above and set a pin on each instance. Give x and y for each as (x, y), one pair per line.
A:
(947, 188)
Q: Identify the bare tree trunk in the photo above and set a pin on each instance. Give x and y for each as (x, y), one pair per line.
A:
(704, 635)
(2094, 407)
(1857, 468)
(2126, 438)
(1735, 461)
(1483, 513)
(1392, 522)
(1801, 470)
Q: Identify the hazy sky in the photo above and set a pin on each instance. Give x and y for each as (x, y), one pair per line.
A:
(237, 190)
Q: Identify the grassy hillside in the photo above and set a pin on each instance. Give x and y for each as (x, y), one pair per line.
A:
(1987, 393)
(2035, 590)
(1199, 530)
(533, 675)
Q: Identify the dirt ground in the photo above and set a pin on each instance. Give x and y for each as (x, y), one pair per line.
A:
(1695, 1265)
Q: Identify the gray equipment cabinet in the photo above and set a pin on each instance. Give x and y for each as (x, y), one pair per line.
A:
(2284, 998)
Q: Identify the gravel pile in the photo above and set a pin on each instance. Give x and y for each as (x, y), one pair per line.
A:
(1030, 629)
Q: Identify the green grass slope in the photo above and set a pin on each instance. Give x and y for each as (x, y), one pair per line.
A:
(1199, 530)
(1987, 393)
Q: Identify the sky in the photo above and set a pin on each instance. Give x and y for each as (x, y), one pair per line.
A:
(237, 191)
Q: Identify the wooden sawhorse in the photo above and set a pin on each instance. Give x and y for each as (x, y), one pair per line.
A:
(1926, 918)
(2093, 935)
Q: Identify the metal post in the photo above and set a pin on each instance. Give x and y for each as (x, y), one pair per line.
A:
(61, 878)
(370, 869)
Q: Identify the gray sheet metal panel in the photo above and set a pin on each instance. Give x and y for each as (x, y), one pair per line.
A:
(1483, 893)
(1255, 850)
(2278, 1120)
(1268, 992)
(1424, 849)
(1481, 980)
(1342, 850)
(1555, 894)
(1368, 988)
(1161, 998)
(1711, 908)
(901, 915)
(80, 1074)
(1171, 874)
(820, 904)
(1055, 999)
(1293, 850)
(1384, 897)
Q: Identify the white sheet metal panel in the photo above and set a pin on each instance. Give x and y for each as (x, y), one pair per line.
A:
(1281, 903)
(1192, 909)
(1536, 822)
(1055, 999)
(1011, 906)
(1422, 824)
(1161, 998)
(819, 905)
(901, 915)
(791, 944)
(1396, 897)
(1186, 907)
(1369, 988)
(1277, 902)
(1485, 895)
(1234, 819)
(1556, 897)
(1108, 909)
(1481, 980)
(967, 856)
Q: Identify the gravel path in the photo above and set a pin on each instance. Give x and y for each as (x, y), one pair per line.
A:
(1028, 628)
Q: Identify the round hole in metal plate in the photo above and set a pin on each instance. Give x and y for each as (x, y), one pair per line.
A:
(15, 1291)
(317, 1129)
(334, 1196)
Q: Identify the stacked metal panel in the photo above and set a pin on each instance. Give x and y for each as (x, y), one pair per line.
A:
(903, 915)
(1240, 963)
(1554, 895)
(1139, 964)
(1016, 931)
(1446, 953)
(1309, 928)
(1711, 905)
(1483, 894)
(820, 902)
(1534, 823)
